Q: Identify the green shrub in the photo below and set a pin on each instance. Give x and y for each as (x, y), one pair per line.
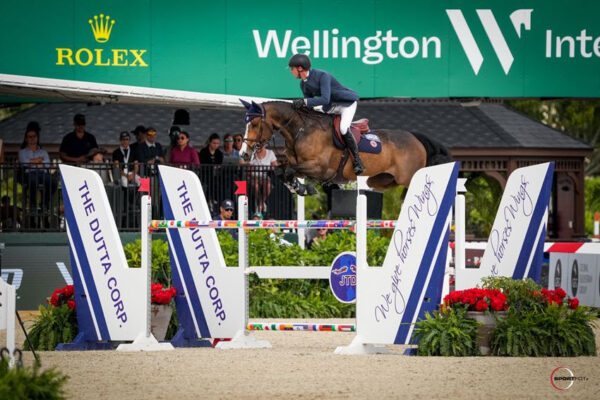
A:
(28, 383)
(161, 263)
(447, 333)
(54, 325)
(539, 324)
(556, 331)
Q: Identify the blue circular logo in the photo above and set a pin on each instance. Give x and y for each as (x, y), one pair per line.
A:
(342, 279)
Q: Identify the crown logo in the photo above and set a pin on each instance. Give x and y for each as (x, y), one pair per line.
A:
(101, 28)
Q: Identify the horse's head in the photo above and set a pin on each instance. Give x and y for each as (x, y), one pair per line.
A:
(258, 130)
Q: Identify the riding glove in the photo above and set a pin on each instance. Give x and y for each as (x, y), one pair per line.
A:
(298, 104)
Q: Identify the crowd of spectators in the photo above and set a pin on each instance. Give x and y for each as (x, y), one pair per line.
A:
(130, 161)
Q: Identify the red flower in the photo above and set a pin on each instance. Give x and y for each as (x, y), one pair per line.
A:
(71, 304)
(68, 291)
(573, 303)
(560, 293)
(498, 303)
(161, 295)
(481, 305)
(54, 299)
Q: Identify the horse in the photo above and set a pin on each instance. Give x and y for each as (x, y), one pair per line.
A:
(311, 154)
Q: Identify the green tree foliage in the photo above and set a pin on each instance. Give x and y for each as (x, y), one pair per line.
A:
(481, 202)
(579, 118)
(592, 202)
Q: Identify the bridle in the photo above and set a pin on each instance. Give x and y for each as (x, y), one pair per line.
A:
(257, 143)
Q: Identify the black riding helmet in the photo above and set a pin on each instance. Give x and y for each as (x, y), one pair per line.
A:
(300, 60)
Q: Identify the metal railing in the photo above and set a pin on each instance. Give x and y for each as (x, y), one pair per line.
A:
(32, 198)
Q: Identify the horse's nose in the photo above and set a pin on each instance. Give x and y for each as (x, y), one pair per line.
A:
(245, 156)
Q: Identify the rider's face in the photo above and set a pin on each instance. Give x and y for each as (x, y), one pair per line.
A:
(296, 72)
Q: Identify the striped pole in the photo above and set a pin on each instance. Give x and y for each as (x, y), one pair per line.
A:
(596, 226)
(273, 326)
(269, 224)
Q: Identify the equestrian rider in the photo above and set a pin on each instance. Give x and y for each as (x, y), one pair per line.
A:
(320, 88)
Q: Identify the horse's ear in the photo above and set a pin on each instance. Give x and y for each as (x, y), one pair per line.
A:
(246, 104)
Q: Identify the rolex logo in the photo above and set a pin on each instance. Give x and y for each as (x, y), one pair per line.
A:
(101, 27)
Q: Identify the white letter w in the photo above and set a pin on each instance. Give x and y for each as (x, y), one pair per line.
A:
(263, 51)
(518, 18)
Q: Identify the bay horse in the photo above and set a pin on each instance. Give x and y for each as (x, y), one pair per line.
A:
(310, 151)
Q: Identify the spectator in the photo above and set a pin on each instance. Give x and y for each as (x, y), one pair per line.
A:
(123, 161)
(183, 154)
(238, 140)
(173, 138)
(10, 215)
(230, 154)
(150, 152)
(260, 180)
(211, 153)
(76, 145)
(140, 137)
(226, 213)
(35, 162)
(321, 236)
(97, 163)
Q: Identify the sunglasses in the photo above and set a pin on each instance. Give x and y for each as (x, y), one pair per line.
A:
(181, 138)
(238, 140)
(229, 209)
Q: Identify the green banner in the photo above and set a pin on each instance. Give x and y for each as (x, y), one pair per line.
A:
(436, 48)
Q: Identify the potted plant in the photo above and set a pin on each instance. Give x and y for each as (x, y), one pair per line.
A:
(482, 305)
(57, 322)
(541, 322)
(161, 309)
(448, 332)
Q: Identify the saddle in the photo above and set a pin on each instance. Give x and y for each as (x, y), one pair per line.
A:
(367, 140)
(357, 128)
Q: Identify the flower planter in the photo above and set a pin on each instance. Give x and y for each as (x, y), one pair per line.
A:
(160, 316)
(488, 322)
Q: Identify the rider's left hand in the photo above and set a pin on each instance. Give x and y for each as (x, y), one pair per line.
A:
(298, 104)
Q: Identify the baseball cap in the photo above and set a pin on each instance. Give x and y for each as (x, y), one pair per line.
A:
(229, 139)
(124, 135)
(258, 215)
(151, 131)
(79, 119)
(227, 204)
(138, 129)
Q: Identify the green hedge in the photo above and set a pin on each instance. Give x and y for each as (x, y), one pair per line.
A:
(279, 298)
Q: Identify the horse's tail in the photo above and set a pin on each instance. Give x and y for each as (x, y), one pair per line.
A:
(437, 153)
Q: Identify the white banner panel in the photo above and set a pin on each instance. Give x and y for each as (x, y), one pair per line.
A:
(213, 304)
(109, 295)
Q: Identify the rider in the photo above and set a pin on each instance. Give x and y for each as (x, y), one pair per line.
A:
(320, 88)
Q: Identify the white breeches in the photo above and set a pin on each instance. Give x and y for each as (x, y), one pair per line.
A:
(347, 113)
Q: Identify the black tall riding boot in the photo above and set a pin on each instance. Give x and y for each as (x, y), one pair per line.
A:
(352, 146)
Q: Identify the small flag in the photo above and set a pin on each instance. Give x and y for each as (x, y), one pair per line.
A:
(241, 187)
(144, 185)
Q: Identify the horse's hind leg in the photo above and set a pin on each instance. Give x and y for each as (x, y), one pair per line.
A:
(382, 181)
